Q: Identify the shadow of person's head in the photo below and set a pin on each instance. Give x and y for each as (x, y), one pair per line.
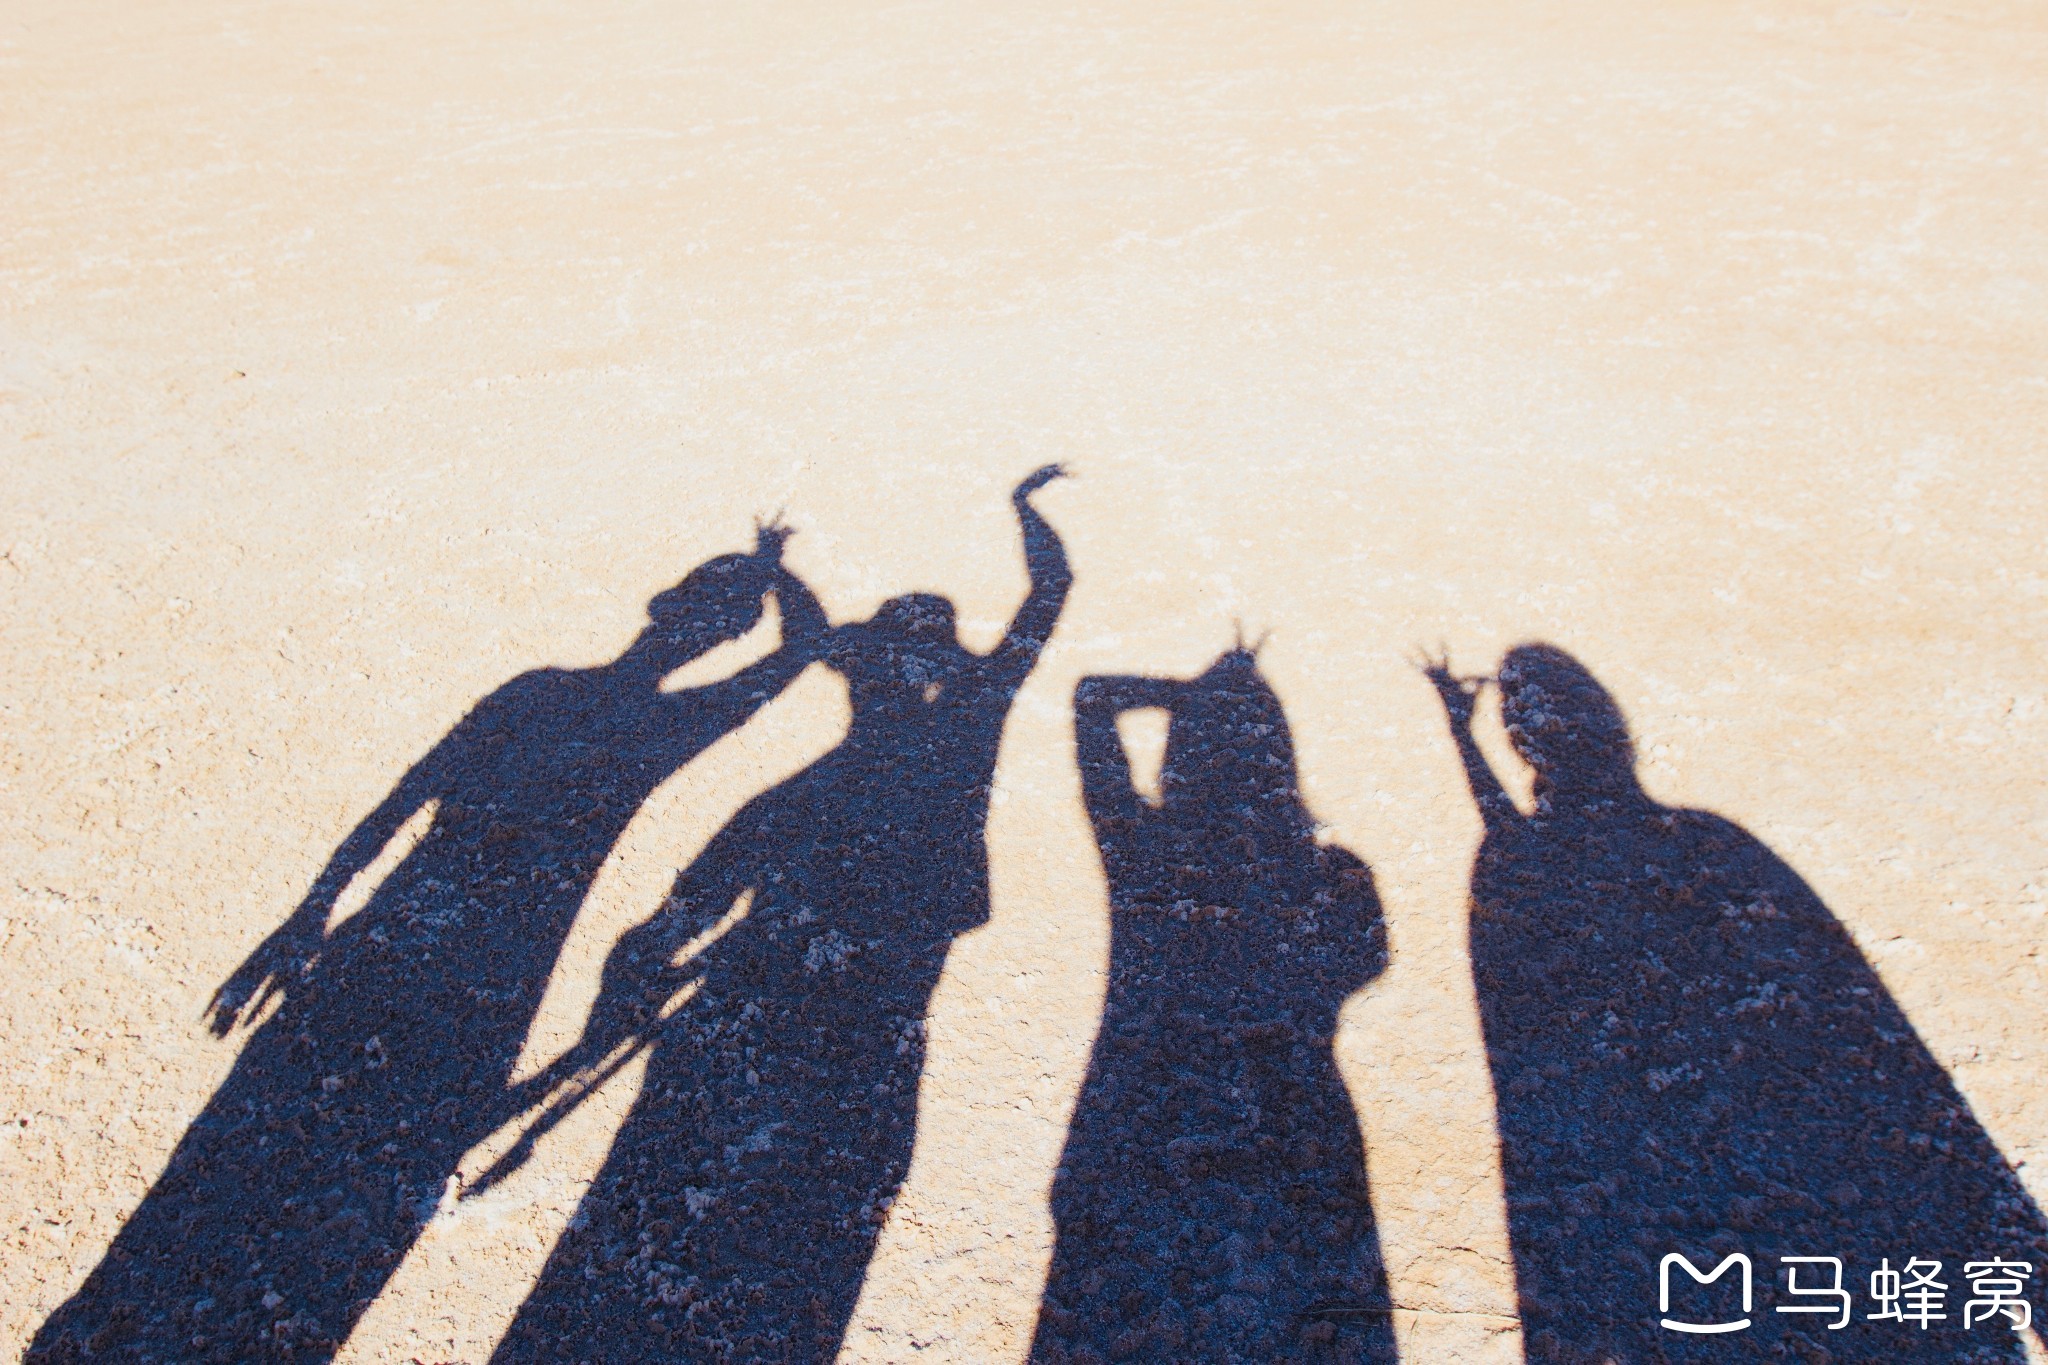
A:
(1229, 751)
(718, 601)
(1564, 724)
(913, 620)
(911, 645)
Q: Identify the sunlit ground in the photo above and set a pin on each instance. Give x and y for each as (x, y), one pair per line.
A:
(356, 359)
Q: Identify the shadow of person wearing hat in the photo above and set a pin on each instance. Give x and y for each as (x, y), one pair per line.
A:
(295, 1193)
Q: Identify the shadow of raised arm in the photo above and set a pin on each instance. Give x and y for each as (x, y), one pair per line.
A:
(1460, 696)
(1045, 560)
(1106, 784)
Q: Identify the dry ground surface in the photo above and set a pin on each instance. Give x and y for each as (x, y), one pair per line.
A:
(356, 358)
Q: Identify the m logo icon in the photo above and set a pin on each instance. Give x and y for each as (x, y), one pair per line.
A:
(1664, 1292)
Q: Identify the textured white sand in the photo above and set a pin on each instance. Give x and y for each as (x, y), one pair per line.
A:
(354, 358)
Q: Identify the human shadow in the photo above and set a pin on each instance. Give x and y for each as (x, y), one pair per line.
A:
(780, 995)
(293, 1196)
(1691, 1056)
(1212, 1201)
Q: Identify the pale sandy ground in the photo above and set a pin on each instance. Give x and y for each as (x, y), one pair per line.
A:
(356, 357)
